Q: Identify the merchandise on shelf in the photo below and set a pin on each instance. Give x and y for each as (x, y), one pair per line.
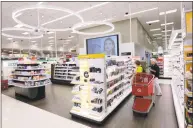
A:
(101, 85)
(160, 63)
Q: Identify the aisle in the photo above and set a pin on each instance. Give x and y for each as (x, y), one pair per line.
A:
(58, 101)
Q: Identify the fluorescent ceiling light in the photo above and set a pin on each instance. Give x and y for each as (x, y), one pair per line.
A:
(86, 9)
(18, 26)
(157, 34)
(150, 22)
(159, 38)
(18, 15)
(167, 31)
(50, 32)
(51, 37)
(157, 29)
(151, 9)
(167, 24)
(33, 41)
(67, 40)
(168, 12)
(51, 41)
(165, 35)
(9, 38)
(25, 33)
(40, 3)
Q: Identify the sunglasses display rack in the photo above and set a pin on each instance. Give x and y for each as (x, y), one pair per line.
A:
(101, 85)
(63, 73)
(28, 78)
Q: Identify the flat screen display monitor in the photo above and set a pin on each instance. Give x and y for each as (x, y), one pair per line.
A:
(108, 45)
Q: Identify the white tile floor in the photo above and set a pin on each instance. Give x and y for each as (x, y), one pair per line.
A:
(16, 114)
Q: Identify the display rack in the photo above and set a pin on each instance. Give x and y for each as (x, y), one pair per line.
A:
(63, 73)
(167, 67)
(102, 84)
(160, 63)
(29, 80)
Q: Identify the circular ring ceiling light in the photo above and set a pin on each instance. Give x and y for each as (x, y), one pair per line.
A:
(20, 37)
(84, 24)
(14, 16)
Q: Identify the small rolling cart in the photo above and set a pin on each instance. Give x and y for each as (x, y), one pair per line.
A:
(143, 90)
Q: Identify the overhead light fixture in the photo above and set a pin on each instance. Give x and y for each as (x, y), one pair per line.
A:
(51, 37)
(33, 41)
(50, 32)
(167, 24)
(154, 21)
(9, 38)
(165, 35)
(60, 21)
(168, 12)
(25, 33)
(151, 9)
(18, 15)
(42, 16)
(167, 31)
(51, 41)
(157, 34)
(67, 40)
(39, 3)
(159, 38)
(18, 26)
(157, 29)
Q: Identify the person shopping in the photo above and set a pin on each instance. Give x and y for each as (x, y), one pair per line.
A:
(139, 68)
(154, 69)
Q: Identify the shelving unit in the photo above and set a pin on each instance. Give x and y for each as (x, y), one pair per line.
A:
(97, 94)
(63, 73)
(29, 80)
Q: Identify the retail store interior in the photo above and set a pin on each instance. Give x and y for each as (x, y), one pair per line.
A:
(75, 64)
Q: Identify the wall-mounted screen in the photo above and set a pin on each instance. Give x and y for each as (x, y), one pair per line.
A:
(108, 45)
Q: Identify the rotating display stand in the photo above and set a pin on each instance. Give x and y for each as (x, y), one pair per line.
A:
(29, 80)
(102, 84)
(63, 73)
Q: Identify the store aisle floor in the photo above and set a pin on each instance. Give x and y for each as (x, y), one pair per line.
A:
(58, 101)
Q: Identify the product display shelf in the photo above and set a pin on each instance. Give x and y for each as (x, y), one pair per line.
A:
(61, 73)
(98, 105)
(29, 80)
(177, 85)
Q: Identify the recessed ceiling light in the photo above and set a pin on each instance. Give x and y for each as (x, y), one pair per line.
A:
(9, 38)
(101, 13)
(168, 12)
(33, 41)
(167, 24)
(153, 21)
(42, 16)
(167, 31)
(157, 34)
(51, 37)
(60, 21)
(51, 41)
(159, 38)
(67, 40)
(18, 15)
(25, 33)
(157, 29)
(18, 26)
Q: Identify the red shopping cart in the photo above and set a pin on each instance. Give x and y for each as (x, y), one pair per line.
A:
(143, 90)
(4, 84)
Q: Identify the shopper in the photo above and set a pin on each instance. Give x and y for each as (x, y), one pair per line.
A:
(154, 69)
(139, 68)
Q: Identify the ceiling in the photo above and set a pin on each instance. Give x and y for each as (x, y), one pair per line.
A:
(110, 10)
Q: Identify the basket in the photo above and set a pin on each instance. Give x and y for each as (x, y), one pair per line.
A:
(143, 84)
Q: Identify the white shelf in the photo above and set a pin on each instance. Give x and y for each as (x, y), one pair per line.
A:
(62, 79)
(24, 86)
(29, 80)
(115, 77)
(115, 85)
(60, 75)
(29, 74)
(104, 115)
(30, 69)
(60, 66)
(179, 112)
(61, 69)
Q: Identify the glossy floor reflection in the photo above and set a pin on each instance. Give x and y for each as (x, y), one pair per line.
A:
(58, 101)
